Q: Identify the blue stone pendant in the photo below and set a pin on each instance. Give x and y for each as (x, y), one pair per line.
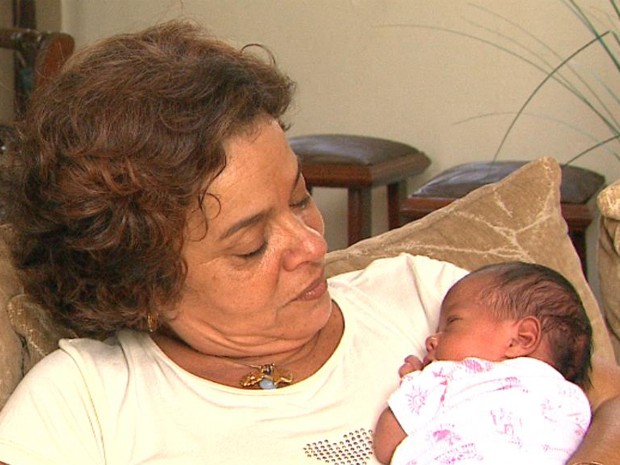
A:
(267, 383)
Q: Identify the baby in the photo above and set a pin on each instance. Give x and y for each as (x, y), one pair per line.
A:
(500, 382)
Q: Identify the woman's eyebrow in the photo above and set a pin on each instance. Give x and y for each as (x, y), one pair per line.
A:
(244, 223)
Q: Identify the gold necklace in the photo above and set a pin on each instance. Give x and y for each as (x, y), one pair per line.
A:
(267, 376)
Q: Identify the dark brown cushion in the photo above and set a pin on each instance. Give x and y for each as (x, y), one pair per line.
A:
(578, 184)
(347, 149)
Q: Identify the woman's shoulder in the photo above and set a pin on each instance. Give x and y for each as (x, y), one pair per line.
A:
(85, 357)
(400, 278)
(81, 368)
(404, 265)
(403, 292)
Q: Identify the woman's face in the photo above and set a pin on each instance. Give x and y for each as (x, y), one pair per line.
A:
(255, 283)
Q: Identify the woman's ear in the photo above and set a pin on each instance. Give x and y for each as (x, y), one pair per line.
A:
(526, 338)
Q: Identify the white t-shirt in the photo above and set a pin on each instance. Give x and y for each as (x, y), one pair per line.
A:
(123, 402)
(520, 411)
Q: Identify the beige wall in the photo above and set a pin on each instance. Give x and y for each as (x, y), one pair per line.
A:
(48, 15)
(359, 71)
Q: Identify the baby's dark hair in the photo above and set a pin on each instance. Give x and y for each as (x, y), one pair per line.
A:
(525, 289)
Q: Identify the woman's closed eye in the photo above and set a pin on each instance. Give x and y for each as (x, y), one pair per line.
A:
(303, 203)
(259, 251)
(254, 253)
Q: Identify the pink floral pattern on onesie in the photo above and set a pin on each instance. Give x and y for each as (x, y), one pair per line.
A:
(479, 412)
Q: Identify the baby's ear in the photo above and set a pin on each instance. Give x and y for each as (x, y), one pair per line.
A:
(526, 338)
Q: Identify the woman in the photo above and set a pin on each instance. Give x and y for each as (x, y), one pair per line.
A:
(155, 200)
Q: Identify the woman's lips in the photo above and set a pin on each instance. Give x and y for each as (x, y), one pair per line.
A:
(315, 291)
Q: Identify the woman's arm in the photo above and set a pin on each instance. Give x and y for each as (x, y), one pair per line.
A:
(600, 446)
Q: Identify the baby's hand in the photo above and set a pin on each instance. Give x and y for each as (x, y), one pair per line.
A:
(411, 364)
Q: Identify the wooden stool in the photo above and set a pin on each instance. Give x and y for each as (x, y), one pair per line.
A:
(359, 163)
(41, 55)
(577, 187)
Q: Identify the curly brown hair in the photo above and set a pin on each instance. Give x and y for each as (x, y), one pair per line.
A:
(112, 155)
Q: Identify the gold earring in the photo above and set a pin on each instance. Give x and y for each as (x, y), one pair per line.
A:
(151, 322)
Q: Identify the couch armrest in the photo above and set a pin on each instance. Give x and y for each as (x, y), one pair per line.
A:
(608, 202)
(11, 349)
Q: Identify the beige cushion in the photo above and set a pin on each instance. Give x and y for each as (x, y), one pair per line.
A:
(10, 358)
(11, 354)
(27, 332)
(609, 260)
(518, 218)
(39, 332)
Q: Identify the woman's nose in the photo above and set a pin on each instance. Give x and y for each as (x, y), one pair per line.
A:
(307, 243)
